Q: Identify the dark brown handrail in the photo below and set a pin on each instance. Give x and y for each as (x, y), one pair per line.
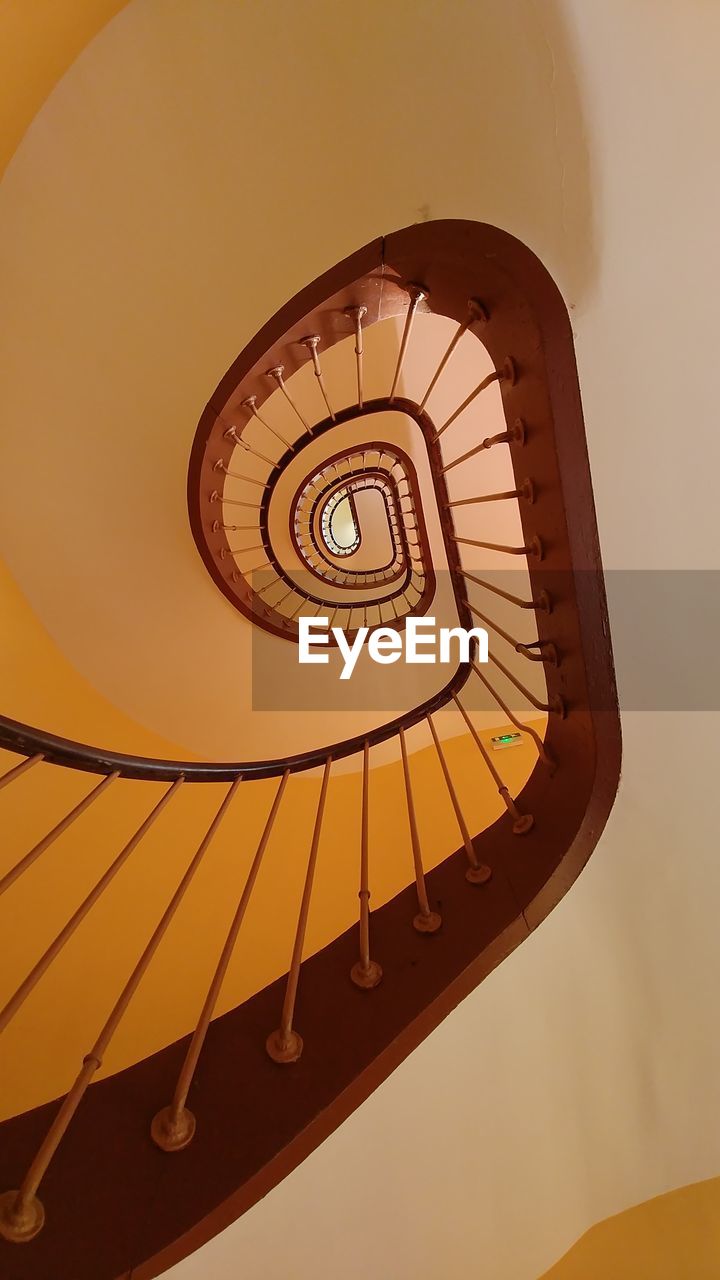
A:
(28, 741)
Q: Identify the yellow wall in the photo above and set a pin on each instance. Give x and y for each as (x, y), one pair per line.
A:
(672, 1237)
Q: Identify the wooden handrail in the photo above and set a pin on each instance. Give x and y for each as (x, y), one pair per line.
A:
(25, 740)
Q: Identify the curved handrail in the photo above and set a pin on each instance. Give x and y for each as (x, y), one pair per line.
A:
(28, 741)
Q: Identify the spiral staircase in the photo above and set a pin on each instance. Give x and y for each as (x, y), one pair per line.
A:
(404, 438)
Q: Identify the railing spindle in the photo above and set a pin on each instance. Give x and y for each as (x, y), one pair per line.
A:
(477, 872)
(173, 1128)
(261, 590)
(417, 293)
(23, 991)
(312, 345)
(524, 490)
(534, 548)
(356, 314)
(557, 705)
(277, 375)
(19, 769)
(15, 872)
(476, 311)
(426, 921)
(514, 435)
(233, 528)
(241, 551)
(231, 434)
(505, 374)
(522, 822)
(251, 403)
(545, 646)
(524, 728)
(216, 496)
(365, 972)
(21, 1212)
(237, 475)
(543, 602)
(286, 1045)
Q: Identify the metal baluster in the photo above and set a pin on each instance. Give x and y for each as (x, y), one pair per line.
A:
(534, 548)
(476, 311)
(277, 374)
(173, 1127)
(357, 314)
(312, 345)
(522, 822)
(514, 435)
(426, 921)
(546, 646)
(505, 374)
(231, 434)
(21, 1212)
(557, 705)
(285, 1045)
(417, 293)
(237, 475)
(524, 490)
(19, 769)
(365, 972)
(524, 728)
(23, 991)
(477, 872)
(15, 872)
(233, 502)
(251, 403)
(543, 602)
